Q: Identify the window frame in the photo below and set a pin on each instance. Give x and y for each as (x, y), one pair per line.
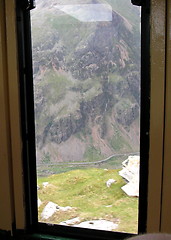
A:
(28, 131)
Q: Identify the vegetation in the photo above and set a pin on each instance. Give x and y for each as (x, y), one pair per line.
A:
(46, 158)
(86, 192)
(118, 143)
(50, 169)
(92, 154)
(57, 85)
(115, 77)
(79, 77)
(123, 8)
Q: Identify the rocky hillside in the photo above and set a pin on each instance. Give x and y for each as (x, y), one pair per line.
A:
(86, 78)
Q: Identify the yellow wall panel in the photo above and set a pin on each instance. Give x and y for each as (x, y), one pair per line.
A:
(6, 192)
(157, 51)
(166, 187)
(11, 171)
(14, 107)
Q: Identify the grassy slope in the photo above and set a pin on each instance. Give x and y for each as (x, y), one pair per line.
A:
(126, 9)
(86, 191)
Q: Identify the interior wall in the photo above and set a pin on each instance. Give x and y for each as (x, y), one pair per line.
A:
(166, 190)
(157, 111)
(11, 173)
(6, 205)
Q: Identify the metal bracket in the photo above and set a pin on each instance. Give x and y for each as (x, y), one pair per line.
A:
(137, 2)
(29, 4)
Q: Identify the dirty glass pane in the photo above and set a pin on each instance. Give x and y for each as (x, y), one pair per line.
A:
(86, 65)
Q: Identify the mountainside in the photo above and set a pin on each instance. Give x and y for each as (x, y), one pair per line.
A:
(86, 78)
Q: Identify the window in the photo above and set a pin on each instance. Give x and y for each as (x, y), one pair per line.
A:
(86, 88)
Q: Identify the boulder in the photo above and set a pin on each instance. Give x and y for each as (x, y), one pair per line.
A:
(71, 221)
(39, 202)
(67, 208)
(98, 224)
(132, 188)
(130, 173)
(45, 184)
(110, 182)
(49, 210)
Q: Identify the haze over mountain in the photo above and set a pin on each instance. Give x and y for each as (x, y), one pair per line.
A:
(86, 78)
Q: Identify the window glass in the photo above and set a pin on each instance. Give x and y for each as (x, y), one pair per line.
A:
(86, 71)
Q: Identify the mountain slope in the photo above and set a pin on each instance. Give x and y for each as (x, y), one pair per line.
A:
(86, 80)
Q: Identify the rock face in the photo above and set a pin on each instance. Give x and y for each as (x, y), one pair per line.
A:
(86, 83)
(130, 173)
(98, 224)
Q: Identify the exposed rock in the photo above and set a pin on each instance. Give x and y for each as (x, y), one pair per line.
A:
(132, 188)
(71, 221)
(130, 173)
(67, 208)
(39, 202)
(110, 182)
(126, 112)
(93, 57)
(130, 167)
(60, 130)
(49, 210)
(86, 74)
(98, 224)
(45, 184)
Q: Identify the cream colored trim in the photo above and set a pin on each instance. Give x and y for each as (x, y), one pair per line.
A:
(6, 193)
(14, 107)
(166, 194)
(11, 171)
(156, 113)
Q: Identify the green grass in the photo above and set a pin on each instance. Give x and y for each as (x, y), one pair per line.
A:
(126, 9)
(57, 85)
(115, 77)
(92, 154)
(46, 170)
(71, 30)
(119, 143)
(113, 163)
(86, 191)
